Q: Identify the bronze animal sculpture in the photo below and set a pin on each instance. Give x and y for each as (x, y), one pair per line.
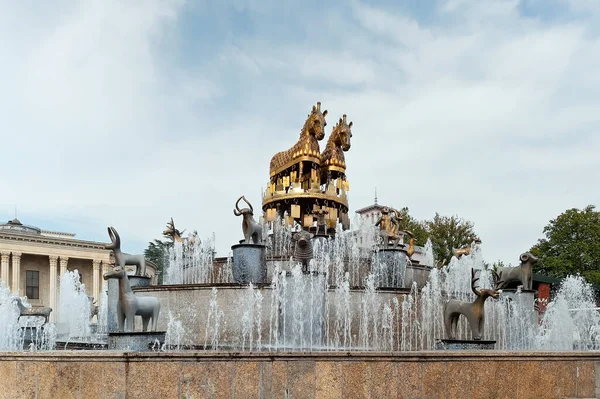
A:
(474, 312)
(520, 274)
(303, 250)
(386, 229)
(411, 244)
(439, 265)
(122, 259)
(468, 249)
(332, 157)
(172, 232)
(321, 221)
(251, 228)
(307, 146)
(41, 311)
(130, 305)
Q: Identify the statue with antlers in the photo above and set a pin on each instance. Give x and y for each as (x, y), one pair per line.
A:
(474, 312)
(251, 228)
(174, 233)
(468, 249)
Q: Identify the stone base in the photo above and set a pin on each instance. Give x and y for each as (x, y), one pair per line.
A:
(389, 267)
(249, 263)
(463, 344)
(136, 341)
(139, 281)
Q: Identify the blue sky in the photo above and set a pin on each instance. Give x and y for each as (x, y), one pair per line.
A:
(128, 113)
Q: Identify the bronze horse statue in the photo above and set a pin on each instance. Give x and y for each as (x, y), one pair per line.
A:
(307, 146)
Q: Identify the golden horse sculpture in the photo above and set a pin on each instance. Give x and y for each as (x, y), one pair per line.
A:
(308, 145)
(338, 143)
(474, 312)
(468, 249)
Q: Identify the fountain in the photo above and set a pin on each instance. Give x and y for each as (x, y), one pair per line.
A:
(306, 304)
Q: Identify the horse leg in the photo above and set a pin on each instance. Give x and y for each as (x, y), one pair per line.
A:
(145, 321)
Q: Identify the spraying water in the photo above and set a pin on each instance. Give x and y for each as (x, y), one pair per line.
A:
(74, 310)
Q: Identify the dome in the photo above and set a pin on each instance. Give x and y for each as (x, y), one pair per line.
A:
(15, 226)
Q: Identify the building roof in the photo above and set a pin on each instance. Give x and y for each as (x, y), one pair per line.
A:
(15, 226)
(374, 207)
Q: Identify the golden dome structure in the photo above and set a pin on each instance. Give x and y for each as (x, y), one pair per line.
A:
(306, 183)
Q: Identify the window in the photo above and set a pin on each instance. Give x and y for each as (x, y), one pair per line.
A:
(32, 284)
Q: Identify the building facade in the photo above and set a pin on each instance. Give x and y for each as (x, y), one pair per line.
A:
(32, 261)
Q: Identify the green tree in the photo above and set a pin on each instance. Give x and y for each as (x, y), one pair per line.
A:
(157, 253)
(447, 233)
(415, 226)
(571, 245)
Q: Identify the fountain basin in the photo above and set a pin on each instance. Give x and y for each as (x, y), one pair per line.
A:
(140, 341)
(438, 374)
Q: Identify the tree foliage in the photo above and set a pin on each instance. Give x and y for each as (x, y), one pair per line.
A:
(571, 245)
(416, 227)
(157, 253)
(447, 233)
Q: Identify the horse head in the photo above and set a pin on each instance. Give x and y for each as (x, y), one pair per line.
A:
(315, 124)
(342, 133)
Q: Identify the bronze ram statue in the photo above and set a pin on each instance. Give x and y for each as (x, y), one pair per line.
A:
(522, 274)
(474, 312)
(251, 228)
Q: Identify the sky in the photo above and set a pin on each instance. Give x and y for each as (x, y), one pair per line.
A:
(127, 113)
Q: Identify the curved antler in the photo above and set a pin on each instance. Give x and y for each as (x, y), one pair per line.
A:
(473, 281)
(249, 204)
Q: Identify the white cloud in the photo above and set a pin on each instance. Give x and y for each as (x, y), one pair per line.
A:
(483, 113)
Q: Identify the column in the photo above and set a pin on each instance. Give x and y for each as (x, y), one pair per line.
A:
(53, 277)
(16, 273)
(64, 260)
(4, 257)
(96, 279)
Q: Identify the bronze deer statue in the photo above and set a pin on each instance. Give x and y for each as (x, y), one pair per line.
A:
(468, 249)
(130, 305)
(172, 232)
(474, 312)
(122, 259)
(251, 228)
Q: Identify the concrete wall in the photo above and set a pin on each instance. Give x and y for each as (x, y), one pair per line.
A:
(422, 375)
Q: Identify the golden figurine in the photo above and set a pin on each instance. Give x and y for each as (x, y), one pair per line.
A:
(467, 249)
